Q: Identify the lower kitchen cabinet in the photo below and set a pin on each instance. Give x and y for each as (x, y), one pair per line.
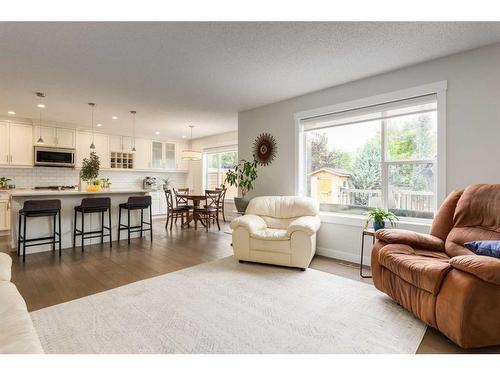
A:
(158, 203)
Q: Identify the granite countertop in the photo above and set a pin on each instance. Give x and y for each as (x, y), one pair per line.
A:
(32, 192)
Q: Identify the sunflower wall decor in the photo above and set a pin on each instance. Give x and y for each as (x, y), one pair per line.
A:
(264, 149)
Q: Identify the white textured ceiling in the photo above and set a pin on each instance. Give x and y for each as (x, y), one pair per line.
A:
(175, 74)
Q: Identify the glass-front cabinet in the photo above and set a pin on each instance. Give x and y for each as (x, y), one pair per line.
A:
(163, 155)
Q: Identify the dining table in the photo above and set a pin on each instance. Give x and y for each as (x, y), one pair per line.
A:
(196, 199)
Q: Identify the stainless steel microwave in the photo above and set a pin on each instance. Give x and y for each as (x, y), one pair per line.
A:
(54, 157)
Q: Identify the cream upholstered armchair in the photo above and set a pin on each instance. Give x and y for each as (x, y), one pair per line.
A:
(277, 230)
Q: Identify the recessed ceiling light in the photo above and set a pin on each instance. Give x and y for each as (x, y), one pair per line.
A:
(40, 105)
(11, 112)
(114, 118)
(183, 136)
(99, 125)
(157, 132)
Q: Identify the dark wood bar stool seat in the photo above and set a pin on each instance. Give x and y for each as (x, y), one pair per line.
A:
(91, 206)
(39, 208)
(136, 203)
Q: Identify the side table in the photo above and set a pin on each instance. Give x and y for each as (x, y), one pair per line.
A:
(366, 232)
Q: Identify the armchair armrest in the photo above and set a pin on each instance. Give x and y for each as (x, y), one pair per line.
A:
(306, 224)
(483, 267)
(5, 266)
(252, 223)
(413, 239)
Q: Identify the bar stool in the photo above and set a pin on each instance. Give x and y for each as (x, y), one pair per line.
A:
(90, 206)
(136, 203)
(39, 208)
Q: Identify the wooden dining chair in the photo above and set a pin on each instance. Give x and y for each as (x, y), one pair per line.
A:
(180, 197)
(174, 212)
(221, 202)
(209, 211)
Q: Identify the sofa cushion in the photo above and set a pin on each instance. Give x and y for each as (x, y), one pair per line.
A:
(423, 269)
(486, 248)
(17, 334)
(414, 239)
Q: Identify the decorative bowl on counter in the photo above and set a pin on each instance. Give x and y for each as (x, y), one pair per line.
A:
(93, 188)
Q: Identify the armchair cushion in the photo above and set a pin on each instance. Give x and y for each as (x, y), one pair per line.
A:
(485, 268)
(413, 239)
(306, 224)
(270, 234)
(252, 223)
(5, 265)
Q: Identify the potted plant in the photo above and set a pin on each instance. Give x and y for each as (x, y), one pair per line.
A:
(242, 176)
(379, 216)
(90, 172)
(105, 183)
(3, 182)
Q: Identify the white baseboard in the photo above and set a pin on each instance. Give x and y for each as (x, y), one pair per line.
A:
(345, 255)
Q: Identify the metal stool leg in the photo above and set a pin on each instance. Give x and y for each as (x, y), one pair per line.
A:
(151, 223)
(19, 236)
(142, 220)
(102, 227)
(110, 228)
(59, 234)
(83, 230)
(74, 231)
(24, 239)
(119, 222)
(54, 233)
(128, 227)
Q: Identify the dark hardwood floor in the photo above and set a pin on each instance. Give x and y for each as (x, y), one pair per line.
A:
(45, 279)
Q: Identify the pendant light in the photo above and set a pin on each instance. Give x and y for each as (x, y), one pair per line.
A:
(40, 106)
(92, 106)
(133, 130)
(191, 154)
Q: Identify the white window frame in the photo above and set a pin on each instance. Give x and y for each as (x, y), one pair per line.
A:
(215, 150)
(437, 88)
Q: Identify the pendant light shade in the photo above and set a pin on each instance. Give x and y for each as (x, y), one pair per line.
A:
(40, 106)
(92, 106)
(191, 154)
(133, 131)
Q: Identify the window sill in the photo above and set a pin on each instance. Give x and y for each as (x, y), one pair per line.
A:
(360, 220)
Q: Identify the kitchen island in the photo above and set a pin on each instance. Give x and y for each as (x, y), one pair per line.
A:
(41, 227)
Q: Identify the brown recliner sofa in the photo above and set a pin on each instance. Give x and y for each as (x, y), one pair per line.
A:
(440, 281)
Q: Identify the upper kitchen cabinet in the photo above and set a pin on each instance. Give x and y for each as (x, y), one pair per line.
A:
(142, 156)
(101, 142)
(57, 137)
(15, 146)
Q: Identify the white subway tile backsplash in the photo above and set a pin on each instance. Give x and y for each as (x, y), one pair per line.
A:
(40, 176)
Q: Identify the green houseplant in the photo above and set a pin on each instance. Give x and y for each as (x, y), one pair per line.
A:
(242, 176)
(90, 172)
(379, 216)
(3, 182)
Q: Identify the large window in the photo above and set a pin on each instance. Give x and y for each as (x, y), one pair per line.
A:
(377, 156)
(216, 166)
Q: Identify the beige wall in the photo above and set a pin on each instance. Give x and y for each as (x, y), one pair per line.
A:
(473, 129)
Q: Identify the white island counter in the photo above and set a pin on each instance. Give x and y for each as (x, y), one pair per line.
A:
(40, 227)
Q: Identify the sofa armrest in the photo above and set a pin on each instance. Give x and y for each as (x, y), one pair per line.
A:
(252, 223)
(414, 239)
(5, 266)
(483, 267)
(306, 224)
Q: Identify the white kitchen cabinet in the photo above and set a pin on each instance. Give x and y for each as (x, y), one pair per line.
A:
(4, 212)
(170, 156)
(4, 143)
(142, 156)
(181, 164)
(65, 137)
(59, 137)
(158, 203)
(127, 144)
(21, 148)
(157, 155)
(101, 142)
(117, 143)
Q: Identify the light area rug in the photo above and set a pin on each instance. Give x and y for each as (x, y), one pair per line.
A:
(227, 307)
